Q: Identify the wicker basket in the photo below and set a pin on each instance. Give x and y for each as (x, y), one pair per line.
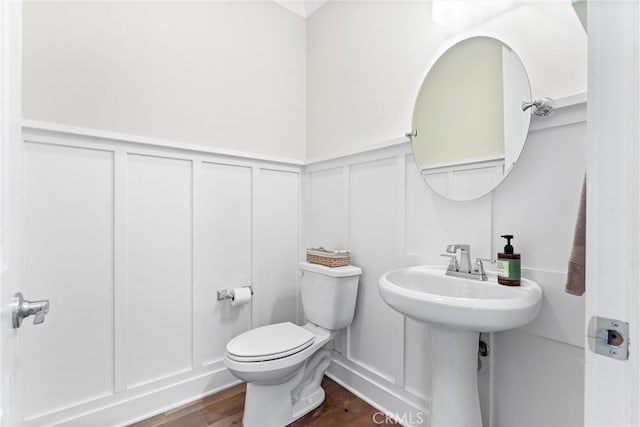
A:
(328, 258)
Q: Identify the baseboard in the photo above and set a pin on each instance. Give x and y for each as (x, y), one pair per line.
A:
(392, 401)
(135, 405)
(151, 399)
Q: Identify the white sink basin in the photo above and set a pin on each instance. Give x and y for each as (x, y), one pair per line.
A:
(456, 311)
(426, 294)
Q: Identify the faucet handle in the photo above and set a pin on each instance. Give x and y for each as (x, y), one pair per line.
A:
(465, 257)
(479, 267)
(453, 264)
(452, 249)
(480, 264)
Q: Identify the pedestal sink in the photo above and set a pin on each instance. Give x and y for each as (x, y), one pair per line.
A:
(456, 311)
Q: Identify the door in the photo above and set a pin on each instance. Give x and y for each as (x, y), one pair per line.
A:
(11, 171)
(612, 387)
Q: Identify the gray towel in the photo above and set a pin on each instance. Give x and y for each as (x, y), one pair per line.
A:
(575, 273)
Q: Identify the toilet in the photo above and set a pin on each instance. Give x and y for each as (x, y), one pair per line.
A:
(283, 364)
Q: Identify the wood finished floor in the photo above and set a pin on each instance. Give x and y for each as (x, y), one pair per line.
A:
(340, 408)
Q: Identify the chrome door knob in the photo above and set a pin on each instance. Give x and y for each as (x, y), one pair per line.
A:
(22, 309)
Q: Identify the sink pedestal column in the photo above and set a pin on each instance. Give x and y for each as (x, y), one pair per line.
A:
(454, 397)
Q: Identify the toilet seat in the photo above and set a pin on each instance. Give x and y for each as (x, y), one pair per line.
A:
(269, 343)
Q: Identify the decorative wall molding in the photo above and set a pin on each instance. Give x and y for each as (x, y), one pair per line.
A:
(423, 223)
(328, 191)
(175, 223)
(569, 110)
(391, 400)
(145, 401)
(44, 131)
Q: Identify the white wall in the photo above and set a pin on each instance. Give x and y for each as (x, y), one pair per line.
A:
(366, 62)
(223, 74)
(161, 240)
(130, 242)
(376, 204)
(145, 194)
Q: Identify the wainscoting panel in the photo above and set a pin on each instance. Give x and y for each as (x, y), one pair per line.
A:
(373, 235)
(223, 255)
(130, 239)
(377, 204)
(159, 268)
(277, 207)
(531, 371)
(418, 359)
(432, 222)
(538, 201)
(68, 232)
(325, 216)
(389, 360)
(109, 216)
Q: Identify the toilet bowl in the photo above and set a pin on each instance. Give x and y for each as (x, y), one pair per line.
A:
(272, 378)
(283, 364)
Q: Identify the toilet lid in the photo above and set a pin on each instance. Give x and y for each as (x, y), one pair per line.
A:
(269, 342)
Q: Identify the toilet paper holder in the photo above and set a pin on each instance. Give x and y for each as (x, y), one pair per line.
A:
(224, 294)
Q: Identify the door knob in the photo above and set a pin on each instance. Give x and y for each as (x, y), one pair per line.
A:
(22, 309)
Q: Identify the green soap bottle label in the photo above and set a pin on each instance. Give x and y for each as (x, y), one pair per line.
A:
(509, 269)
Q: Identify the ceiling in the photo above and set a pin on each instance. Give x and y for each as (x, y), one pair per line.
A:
(304, 8)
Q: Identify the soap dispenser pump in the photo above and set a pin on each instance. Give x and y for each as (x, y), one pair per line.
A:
(508, 264)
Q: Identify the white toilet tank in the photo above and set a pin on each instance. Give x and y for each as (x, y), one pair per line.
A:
(329, 294)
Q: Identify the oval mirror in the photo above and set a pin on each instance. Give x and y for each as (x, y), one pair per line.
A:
(469, 120)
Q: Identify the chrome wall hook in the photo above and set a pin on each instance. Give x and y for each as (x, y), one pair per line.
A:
(542, 107)
(412, 134)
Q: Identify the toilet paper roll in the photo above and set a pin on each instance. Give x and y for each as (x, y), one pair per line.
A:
(241, 296)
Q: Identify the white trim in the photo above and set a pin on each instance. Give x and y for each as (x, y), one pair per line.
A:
(196, 321)
(401, 215)
(383, 395)
(131, 146)
(571, 100)
(300, 215)
(359, 150)
(151, 399)
(302, 8)
(11, 182)
(465, 162)
(569, 110)
(120, 305)
(33, 126)
(255, 261)
(612, 387)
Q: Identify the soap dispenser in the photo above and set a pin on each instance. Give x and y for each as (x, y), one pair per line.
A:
(508, 264)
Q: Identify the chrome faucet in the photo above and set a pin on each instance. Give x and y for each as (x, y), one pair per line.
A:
(463, 267)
